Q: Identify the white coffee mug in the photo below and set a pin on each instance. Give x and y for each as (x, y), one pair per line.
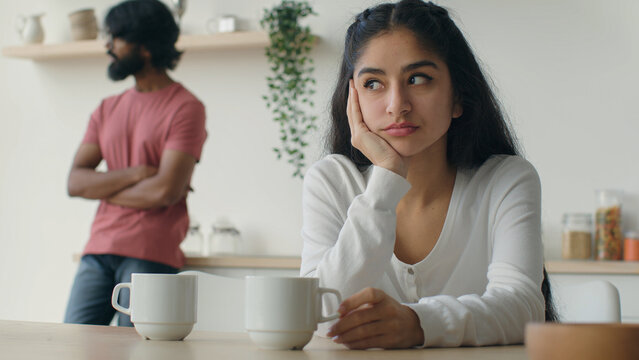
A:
(161, 306)
(222, 24)
(283, 312)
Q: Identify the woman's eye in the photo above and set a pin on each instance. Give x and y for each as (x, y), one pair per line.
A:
(419, 79)
(372, 85)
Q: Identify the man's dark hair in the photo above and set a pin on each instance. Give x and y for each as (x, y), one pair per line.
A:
(148, 23)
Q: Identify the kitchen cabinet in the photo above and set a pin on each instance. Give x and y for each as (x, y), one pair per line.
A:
(240, 266)
(623, 274)
(95, 48)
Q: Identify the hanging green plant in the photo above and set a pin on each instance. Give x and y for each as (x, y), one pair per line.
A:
(291, 84)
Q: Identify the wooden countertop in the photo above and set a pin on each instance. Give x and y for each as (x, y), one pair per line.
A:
(294, 262)
(33, 340)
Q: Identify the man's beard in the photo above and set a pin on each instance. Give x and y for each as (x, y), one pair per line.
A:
(130, 64)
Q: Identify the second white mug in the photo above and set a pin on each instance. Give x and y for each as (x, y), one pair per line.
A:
(283, 312)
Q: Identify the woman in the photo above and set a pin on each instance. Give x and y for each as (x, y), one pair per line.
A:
(424, 217)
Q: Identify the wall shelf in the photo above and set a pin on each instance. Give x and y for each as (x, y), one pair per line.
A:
(237, 261)
(592, 267)
(95, 48)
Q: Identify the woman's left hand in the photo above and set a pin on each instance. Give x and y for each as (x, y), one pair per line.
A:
(372, 319)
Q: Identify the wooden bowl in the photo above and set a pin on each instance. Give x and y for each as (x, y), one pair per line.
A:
(549, 341)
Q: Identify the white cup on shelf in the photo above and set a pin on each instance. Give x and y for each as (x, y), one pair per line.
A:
(222, 24)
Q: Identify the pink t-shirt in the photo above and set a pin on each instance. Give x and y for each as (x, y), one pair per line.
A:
(132, 129)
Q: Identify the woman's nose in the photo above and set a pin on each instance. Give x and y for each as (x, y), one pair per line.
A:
(398, 102)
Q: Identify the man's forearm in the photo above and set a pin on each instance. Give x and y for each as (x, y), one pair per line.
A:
(91, 184)
(147, 194)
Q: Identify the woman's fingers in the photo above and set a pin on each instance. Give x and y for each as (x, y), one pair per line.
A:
(349, 106)
(354, 319)
(366, 296)
(359, 333)
(357, 310)
(372, 145)
(372, 318)
(356, 112)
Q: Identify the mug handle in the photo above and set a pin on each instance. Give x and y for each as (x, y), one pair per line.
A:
(323, 291)
(20, 23)
(114, 298)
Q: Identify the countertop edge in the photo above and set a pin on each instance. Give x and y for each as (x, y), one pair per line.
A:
(294, 262)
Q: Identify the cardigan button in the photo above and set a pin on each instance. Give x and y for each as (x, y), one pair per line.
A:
(411, 271)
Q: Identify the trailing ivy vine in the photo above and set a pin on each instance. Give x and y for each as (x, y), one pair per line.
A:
(291, 83)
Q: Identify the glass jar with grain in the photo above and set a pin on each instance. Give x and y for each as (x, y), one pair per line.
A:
(608, 235)
(576, 242)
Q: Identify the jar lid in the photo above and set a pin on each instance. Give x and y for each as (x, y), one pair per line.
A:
(193, 224)
(569, 217)
(631, 235)
(222, 224)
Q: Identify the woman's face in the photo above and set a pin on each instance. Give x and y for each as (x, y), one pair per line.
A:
(405, 93)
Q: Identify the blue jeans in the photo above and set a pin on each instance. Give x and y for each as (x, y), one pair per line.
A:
(90, 299)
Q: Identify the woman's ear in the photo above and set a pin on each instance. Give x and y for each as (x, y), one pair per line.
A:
(458, 110)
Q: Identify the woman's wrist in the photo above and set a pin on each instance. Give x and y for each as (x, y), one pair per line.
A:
(398, 168)
(418, 333)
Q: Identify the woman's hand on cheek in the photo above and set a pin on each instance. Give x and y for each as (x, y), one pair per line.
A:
(376, 149)
(372, 319)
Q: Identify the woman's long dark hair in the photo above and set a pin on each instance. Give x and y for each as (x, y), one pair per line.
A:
(480, 132)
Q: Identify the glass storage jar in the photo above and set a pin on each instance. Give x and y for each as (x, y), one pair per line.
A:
(224, 239)
(631, 246)
(576, 242)
(608, 236)
(193, 243)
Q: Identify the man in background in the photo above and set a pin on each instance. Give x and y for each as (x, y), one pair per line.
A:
(151, 137)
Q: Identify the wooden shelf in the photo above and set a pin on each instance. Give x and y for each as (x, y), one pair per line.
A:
(254, 262)
(95, 48)
(592, 267)
(234, 261)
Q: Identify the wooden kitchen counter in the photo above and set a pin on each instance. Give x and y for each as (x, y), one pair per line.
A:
(294, 262)
(32, 340)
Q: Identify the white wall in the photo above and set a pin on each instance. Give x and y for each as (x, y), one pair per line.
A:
(564, 71)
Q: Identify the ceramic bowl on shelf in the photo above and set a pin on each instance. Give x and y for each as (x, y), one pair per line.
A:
(554, 341)
(84, 25)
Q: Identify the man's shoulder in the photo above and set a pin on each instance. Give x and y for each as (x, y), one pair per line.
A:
(114, 98)
(177, 93)
(183, 95)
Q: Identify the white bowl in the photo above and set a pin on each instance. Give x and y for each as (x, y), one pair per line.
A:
(552, 341)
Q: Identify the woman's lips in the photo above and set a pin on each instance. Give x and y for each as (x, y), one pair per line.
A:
(401, 129)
